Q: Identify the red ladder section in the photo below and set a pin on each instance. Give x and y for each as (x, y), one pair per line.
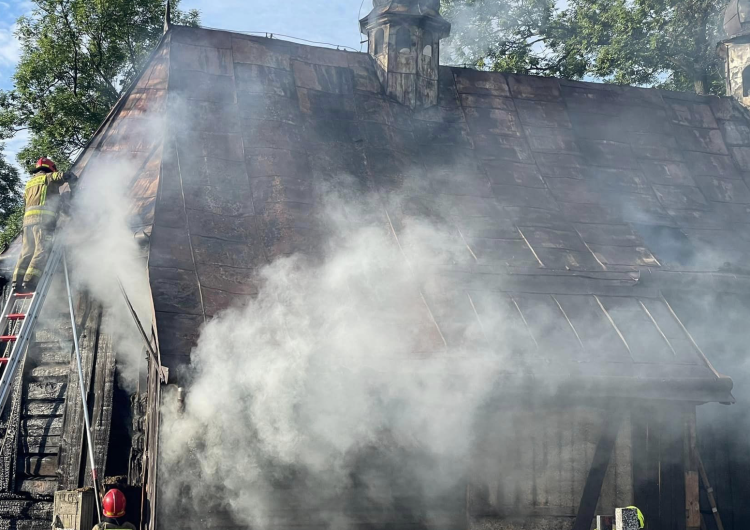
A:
(11, 320)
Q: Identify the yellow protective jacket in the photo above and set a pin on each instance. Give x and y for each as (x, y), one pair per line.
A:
(43, 198)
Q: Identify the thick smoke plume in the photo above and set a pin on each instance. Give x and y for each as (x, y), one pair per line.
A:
(101, 247)
(335, 369)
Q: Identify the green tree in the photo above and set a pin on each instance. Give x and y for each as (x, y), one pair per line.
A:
(78, 57)
(665, 43)
(503, 35)
(11, 207)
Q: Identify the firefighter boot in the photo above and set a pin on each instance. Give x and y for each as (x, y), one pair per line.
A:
(27, 287)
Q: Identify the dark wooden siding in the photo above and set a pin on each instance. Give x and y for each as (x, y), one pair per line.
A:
(658, 465)
(719, 324)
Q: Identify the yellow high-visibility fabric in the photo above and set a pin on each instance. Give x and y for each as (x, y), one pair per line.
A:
(641, 519)
(37, 243)
(42, 198)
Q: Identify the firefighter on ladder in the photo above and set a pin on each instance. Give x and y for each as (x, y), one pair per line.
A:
(113, 512)
(43, 197)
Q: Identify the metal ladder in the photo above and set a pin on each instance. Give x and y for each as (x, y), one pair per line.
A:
(17, 323)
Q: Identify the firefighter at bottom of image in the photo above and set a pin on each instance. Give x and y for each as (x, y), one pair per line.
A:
(113, 512)
(43, 203)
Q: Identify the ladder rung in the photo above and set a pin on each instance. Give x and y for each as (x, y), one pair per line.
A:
(4, 360)
(8, 338)
(17, 316)
(23, 295)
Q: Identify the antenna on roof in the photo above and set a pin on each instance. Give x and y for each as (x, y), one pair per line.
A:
(168, 16)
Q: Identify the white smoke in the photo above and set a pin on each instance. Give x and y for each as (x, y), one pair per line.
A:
(334, 357)
(101, 247)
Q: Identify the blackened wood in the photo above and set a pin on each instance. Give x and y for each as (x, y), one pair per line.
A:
(672, 491)
(73, 450)
(710, 492)
(149, 507)
(12, 419)
(38, 466)
(641, 476)
(138, 407)
(602, 456)
(653, 457)
(42, 445)
(103, 389)
(38, 487)
(690, 462)
(47, 390)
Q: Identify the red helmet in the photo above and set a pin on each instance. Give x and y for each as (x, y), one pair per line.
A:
(45, 162)
(113, 504)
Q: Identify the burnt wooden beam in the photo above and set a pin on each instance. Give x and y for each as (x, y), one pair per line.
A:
(103, 389)
(149, 504)
(593, 488)
(9, 444)
(672, 474)
(692, 480)
(72, 449)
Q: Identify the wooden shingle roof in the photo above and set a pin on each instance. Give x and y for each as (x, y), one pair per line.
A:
(582, 206)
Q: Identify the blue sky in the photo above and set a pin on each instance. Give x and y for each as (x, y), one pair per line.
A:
(334, 21)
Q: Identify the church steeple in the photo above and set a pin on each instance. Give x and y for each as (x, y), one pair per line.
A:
(735, 50)
(404, 39)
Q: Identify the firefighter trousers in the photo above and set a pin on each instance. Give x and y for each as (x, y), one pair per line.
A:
(37, 243)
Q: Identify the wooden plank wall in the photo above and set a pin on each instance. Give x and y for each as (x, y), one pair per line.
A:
(658, 465)
(545, 457)
(723, 443)
(533, 462)
(718, 323)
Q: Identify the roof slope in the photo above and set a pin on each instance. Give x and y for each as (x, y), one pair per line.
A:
(581, 205)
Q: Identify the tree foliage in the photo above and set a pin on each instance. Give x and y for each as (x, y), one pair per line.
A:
(78, 57)
(666, 43)
(11, 207)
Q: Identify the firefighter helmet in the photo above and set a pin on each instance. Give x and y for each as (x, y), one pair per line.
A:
(113, 504)
(45, 163)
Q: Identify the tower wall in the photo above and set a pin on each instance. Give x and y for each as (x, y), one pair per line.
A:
(737, 56)
(406, 48)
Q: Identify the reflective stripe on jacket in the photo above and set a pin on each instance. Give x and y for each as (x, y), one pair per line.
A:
(43, 197)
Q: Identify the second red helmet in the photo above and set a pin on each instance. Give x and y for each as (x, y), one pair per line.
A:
(113, 504)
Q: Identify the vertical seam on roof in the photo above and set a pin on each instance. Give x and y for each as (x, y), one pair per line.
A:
(570, 323)
(476, 314)
(603, 266)
(173, 142)
(528, 244)
(242, 142)
(690, 336)
(525, 322)
(614, 325)
(658, 328)
(187, 228)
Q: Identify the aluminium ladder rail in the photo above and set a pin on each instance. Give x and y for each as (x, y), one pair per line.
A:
(22, 309)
